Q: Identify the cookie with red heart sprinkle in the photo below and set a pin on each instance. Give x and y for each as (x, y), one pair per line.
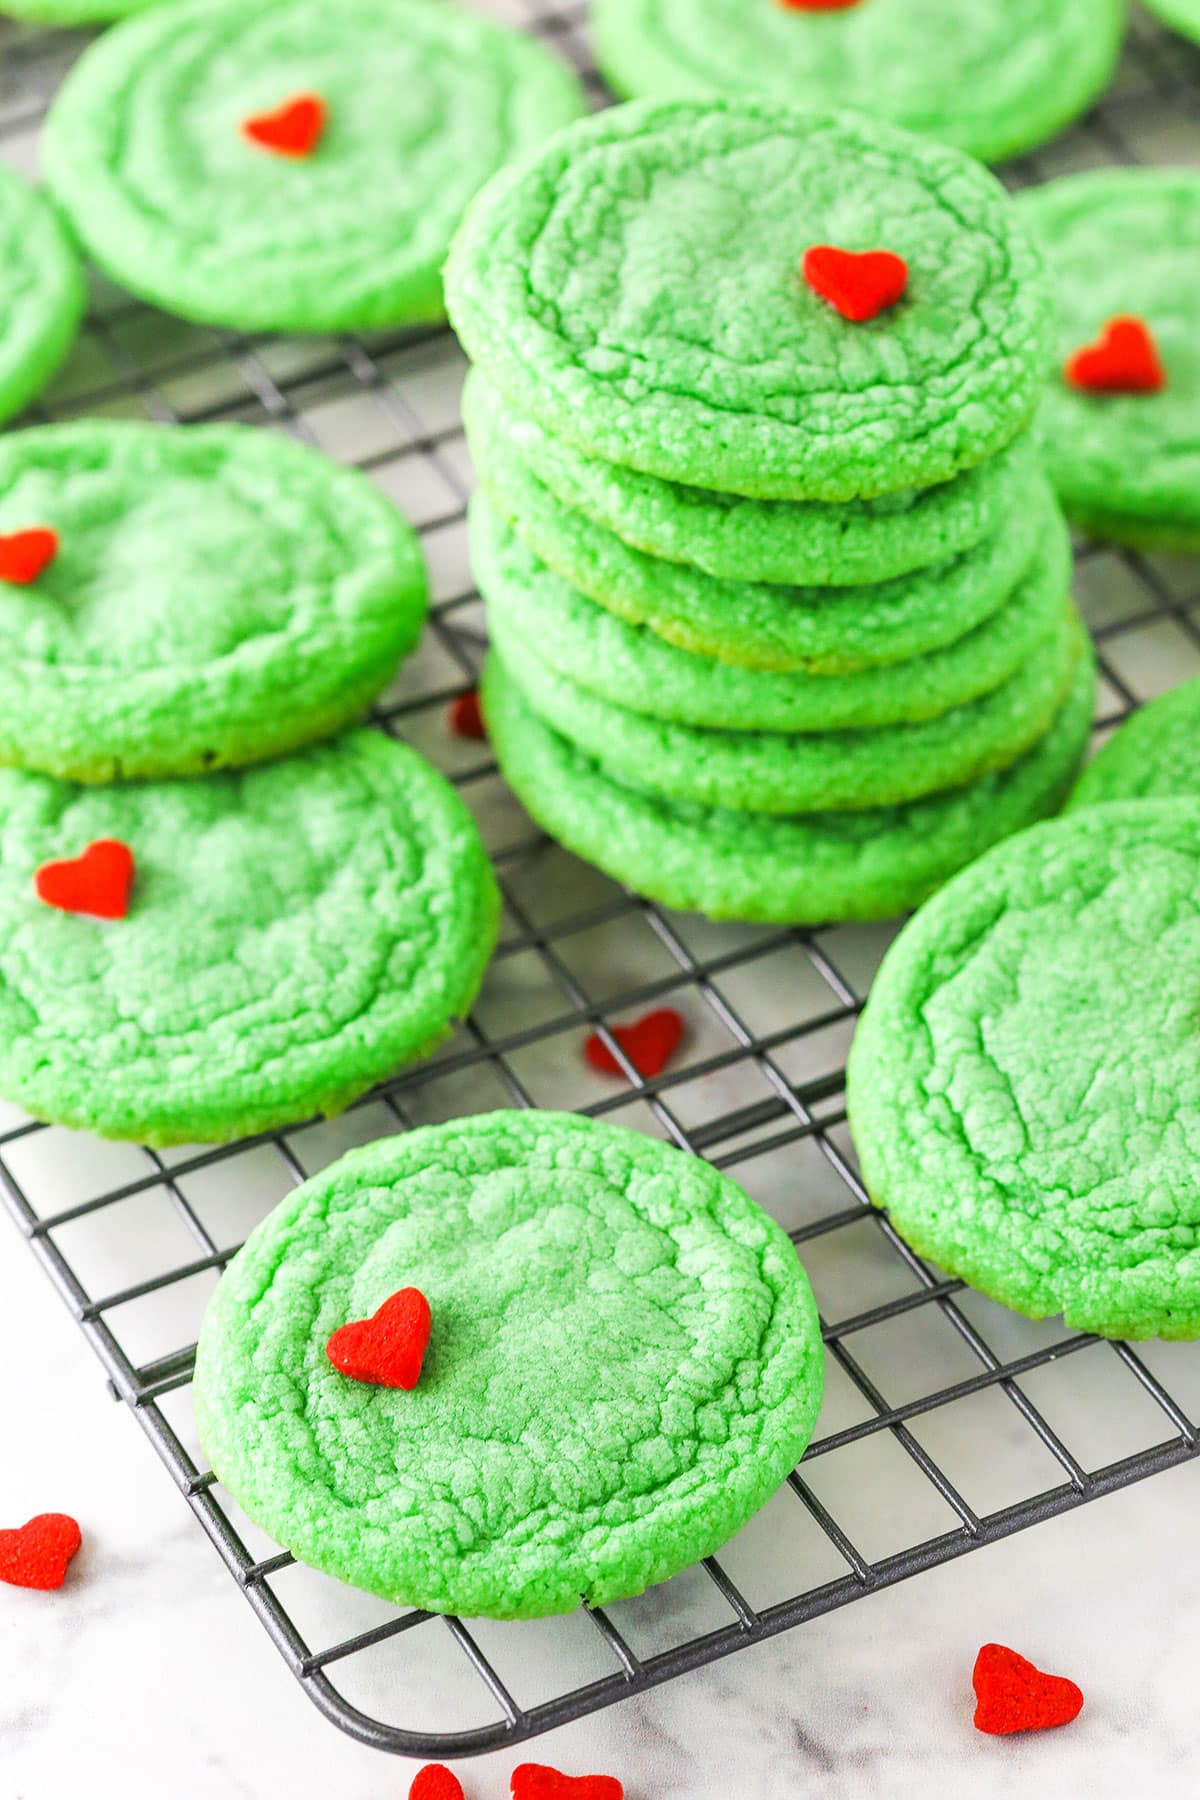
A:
(1123, 359)
(860, 284)
(36, 1554)
(435, 1782)
(536, 1781)
(291, 129)
(388, 1349)
(97, 883)
(649, 1043)
(1014, 1695)
(24, 554)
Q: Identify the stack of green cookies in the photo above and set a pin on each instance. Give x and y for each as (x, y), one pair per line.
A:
(777, 590)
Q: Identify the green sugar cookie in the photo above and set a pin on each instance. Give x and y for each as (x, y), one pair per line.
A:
(1123, 242)
(744, 540)
(758, 866)
(294, 933)
(684, 340)
(995, 77)
(764, 625)
(1024, 1085)
(1155, 755)
(1181, 15)
(422, 103)
(776, 772)
(72, 12)
(42, 293)
(634, 668)
(219, 595)
(625, 1362)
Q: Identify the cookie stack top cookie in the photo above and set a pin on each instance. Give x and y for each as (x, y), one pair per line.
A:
(764, 536)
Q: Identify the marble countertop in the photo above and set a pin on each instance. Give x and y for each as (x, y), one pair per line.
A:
(147, 1676)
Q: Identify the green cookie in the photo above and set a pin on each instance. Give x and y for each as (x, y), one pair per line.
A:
(42, 293)
(1121, 242)
(219, 595)
(995, 77)
(73, 12)
(632, 667)
(422, 104)
(743, 540)
(763, 625)
(773, 772)
(799, 870)
(1153, 756)
(1183, 15)
(293, 935)
(625, 1362)
(636, 287)
(1024, 1085)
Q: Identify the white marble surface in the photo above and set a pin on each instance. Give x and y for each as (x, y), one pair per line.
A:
(147, 1676)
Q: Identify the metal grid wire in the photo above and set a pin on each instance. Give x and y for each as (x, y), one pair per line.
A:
(949, 1422)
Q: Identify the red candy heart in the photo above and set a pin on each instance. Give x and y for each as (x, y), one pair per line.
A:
(435, 1782)
(1123, 360)
(36, 1555)
(464, 717)
(387, 1349)
(857, 283)
(649, 1043)
(818, 5)
(24, 554)
(98, 882)
(533, 1781)
(293, 129)
(1013, 1695)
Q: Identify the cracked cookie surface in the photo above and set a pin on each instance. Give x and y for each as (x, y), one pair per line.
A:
(799, 869)
(625, 1363)
(42, 293)
(145, 151)
(1024, 1085)
(219, 595)
(295, 933)
(635, 286)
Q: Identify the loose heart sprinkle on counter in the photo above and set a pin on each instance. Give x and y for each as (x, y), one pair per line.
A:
(859, 284)
(24, 554)
(435, 1782)
(387, 1349)
(649, 1043)
(534, 1781)
(1123, 360)
(97, 883)
(464, 717)
(36, 1554)
(1013, 1695)
(293, 129)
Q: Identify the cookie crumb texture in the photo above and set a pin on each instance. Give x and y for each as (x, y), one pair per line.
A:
(1122, 242)
(635, 287)
(144, 149)
(625, 1363)
(42, 293)
(994, 77)
(1024, 1085)
(295, 933)
(219, 595)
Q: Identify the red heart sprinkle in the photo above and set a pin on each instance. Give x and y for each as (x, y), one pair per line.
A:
(97, 883)
(649, 1043)
(435, 1782)
(36, 1555)
(24, 554)
(818, 5)
(1013, 1695)
(464, 717)
(388, 1348)
(858, 284)
(534, 1781)
(1123, 360)
(293, 129)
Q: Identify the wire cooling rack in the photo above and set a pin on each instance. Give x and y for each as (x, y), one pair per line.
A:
(949, 1422)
